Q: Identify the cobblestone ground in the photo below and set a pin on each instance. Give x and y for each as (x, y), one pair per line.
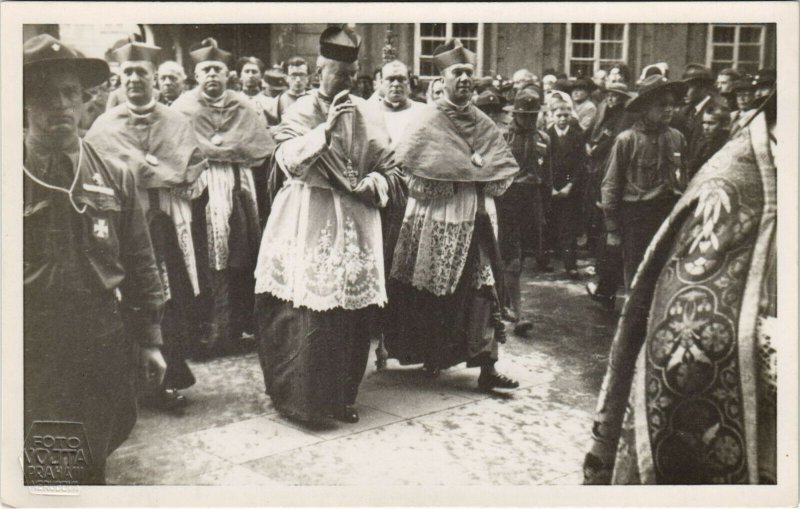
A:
(413, 430)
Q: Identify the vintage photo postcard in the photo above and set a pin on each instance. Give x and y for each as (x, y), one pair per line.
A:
(423, 254)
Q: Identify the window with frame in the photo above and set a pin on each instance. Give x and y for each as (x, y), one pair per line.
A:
(738, 46)
(427, 36)
(593, 46)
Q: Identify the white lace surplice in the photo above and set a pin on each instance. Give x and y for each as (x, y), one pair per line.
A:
(321, 249)
(434, 239)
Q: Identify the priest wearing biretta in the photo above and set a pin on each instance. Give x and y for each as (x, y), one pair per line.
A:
(446, 268)
(320, 273)
(234, 140)
(157, 144)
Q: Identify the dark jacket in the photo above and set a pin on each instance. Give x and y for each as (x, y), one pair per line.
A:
(531, 149)
(77, 261)
(703, 150)
(567, 158)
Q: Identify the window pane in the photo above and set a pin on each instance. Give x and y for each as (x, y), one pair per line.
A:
(724, 34)
(465, 30)
(433, 29)
(723, 53)
(716, 67)
(580, 69)
(582, 50)
(428, 46)
(612, 32)
(470, 44)
(747, 68)
(611, 50)
(426, 67)
(583, 31)
(750, 34)
(750, 53)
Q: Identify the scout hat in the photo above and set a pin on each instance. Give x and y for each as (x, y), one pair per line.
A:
(137, 51)
(619, 88)
(276, 80)
(42, 51)
(765, 77)
(582, 83)
(489, 100)
(697, 74)
(527, 100)
(208, 50)
(452, 52)
(339, 43)
(654, 86)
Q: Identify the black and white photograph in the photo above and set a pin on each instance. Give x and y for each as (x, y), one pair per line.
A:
(350, 249)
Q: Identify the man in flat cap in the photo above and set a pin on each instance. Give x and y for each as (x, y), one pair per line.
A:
(88, 264)
(447, 261)
(585, 109)
(521, 209)
(320, 273)
(645, 172)
(157, 144)
(234, 140)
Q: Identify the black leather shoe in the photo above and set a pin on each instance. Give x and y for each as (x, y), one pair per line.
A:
(347, 414)
(523, 327)
(606, 300)
(496, 381)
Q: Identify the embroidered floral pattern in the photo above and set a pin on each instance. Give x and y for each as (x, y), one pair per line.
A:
(430, 255)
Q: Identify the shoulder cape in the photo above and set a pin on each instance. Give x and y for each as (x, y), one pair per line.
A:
(170, 140)
(360, 137)
(245, 138)
(434, 146)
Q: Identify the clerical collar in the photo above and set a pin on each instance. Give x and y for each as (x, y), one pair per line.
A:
(395, 106)
(141, 110)
(460, 108)
(213, 101)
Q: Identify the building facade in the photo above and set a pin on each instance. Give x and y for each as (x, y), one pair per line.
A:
(573, 48)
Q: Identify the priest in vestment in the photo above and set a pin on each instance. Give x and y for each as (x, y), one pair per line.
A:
(689, 396)
(320, 272)
(157, 145)
(446, 308)
(234, 140)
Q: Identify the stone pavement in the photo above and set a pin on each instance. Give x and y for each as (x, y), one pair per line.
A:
(413, 430)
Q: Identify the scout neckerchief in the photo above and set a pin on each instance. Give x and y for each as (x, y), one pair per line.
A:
(59, 188)
(475, 157)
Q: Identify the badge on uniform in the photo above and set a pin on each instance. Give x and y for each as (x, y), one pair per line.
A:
(97, 179)
(100, 228)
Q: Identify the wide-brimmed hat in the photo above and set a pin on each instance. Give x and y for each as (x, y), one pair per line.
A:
(697, 73)
(489, 100)
(654, 86)
(619, 88)
(527, 100)
(743, 83)
(765, 77)
(43, 51)
(582, 83)
(276, 80)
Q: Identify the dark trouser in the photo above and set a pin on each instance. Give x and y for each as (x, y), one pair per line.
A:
(520, 217)
(609, 269)
(563, 227)
(640, 222)
(313, 362)
(75, 374)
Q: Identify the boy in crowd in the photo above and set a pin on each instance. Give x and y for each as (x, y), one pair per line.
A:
(716, 119)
